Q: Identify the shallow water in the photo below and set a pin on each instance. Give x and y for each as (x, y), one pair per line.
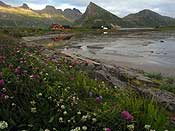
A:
(150, 51)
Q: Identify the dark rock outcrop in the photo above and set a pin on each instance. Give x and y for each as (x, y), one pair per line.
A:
(25, 6)
(97, 16)
(49, 10)
(3, 4)
(72, 14)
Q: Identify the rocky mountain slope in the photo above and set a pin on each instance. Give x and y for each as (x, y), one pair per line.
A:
(3, 4)
(94, 16)
(24, 6)
(97, 16)
(72, 14)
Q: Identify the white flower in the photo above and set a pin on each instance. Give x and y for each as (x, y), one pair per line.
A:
(74, 98)
(79, 112)
(130, 127)
(94, 120)
(4, 89)
(84, 128)
(12, 97)
(88, 116)
(33, 110)
(65, 112)
(147, 127)
(62, 107)
(68, 121)
(115, 87)
(84, 118)
(94, 114)
(3, 125)
(49, 98)
(78, 128)
(13, 104)
(54, 129)
(40, 94)
(46, 130)
(61, 100)
(152, 130)
(30, 125)
(60, 119)
(32, 103)
(6, 97)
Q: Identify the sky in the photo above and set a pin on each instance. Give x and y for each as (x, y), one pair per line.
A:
(118, 7)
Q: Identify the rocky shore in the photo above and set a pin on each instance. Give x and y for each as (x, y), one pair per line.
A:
(120, 77)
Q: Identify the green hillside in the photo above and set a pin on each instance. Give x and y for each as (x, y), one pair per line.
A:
(10, 16)
(148, 18)
(97, 16)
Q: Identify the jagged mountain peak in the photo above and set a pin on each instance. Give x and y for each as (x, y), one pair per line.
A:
(49, 10)
(92, 4)
(24, 6)
(97, 16)
(50, 7)
(73, 14)
(73, 10)
(147, 12)
(3, 4)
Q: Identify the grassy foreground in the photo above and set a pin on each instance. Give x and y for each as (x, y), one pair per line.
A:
(38, 95)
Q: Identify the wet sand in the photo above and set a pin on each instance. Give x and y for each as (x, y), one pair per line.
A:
(149, 51)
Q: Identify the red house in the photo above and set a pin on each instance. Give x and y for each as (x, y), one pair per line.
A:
(56, 27)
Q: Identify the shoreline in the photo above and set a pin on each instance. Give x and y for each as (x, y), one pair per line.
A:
(119, 76)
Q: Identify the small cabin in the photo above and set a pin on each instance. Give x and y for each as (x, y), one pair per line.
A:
(56, 27)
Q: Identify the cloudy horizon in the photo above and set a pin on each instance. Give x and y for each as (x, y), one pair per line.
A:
(118, 7)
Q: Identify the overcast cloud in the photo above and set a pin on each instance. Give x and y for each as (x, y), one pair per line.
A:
(118, 7)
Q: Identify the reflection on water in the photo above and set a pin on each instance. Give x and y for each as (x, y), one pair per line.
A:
(143, 48)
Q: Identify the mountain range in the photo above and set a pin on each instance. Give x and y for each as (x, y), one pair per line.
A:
(24, 16)
(94, 16)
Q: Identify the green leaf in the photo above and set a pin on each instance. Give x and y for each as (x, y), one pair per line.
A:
(51, 119)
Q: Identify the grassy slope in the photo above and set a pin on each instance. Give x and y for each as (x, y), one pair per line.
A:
(38, 89)
(27, 18)
(166, 83)
(148, 18)
(94, 12)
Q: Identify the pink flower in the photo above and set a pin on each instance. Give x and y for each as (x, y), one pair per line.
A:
(98, 99)
(18, 70)
(127, 116)
(2, 83)
(2, 95)
(172, 118)
(107, 129)
(2, 59)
